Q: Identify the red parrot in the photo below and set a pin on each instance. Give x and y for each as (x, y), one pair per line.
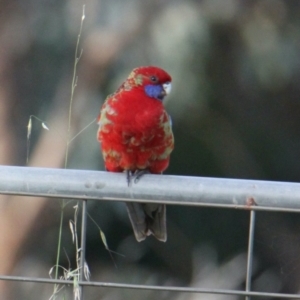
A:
(135, 133)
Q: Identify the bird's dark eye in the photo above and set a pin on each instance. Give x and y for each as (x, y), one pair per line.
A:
(154, 79)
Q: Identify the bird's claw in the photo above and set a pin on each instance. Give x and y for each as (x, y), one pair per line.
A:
(139, 173)
(128, 176)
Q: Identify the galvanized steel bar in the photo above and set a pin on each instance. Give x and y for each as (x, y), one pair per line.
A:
(250, 253)
(82, 245)
(180, 190)
(152, 287)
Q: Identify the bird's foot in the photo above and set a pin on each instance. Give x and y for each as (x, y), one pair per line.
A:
(129, 175)
(139, 173)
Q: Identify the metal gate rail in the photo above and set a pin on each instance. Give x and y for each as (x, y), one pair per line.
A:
(249, 195)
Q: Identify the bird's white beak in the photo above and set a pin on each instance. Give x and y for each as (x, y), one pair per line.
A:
(167, 87)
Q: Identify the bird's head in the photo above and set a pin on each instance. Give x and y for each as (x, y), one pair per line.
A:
(155, 82)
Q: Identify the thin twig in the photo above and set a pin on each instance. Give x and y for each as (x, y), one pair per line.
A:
(73, 87)
(74, 84)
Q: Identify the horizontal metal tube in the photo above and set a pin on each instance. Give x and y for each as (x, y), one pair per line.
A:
(151, 287)
(179, 190)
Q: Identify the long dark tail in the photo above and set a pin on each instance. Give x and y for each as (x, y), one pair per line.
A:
(147, 219)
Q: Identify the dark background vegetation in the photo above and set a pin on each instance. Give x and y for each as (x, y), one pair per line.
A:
(235, 108)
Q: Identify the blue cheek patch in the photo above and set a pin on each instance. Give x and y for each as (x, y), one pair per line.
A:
(154, 91)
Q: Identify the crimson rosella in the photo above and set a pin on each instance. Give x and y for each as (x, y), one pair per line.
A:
(136, 137)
